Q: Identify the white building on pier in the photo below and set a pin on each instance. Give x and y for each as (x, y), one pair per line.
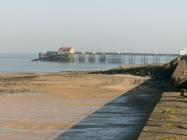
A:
(183, 52)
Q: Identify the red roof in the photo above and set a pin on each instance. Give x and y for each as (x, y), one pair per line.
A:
(65, 49)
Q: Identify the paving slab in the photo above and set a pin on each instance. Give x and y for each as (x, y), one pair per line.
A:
(168, 121)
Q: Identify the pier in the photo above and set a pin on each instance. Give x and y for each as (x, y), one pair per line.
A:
(109, 58)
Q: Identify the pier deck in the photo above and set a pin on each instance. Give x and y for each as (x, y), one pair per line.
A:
(110, 57)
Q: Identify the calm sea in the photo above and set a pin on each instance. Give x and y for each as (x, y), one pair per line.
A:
(23, 63)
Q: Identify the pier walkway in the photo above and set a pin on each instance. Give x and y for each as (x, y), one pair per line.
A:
(110, 58)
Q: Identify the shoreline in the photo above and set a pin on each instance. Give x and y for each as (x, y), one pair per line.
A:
(78, 95)
(63, 100)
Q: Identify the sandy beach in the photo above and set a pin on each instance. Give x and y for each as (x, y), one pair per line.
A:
(42, 106)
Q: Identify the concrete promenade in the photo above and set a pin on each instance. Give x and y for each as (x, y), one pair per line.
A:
(121, 119)
(168, 120)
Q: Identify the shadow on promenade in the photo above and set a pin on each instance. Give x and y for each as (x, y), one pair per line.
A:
(121, 119)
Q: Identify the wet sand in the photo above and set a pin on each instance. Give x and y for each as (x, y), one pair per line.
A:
(42, 106)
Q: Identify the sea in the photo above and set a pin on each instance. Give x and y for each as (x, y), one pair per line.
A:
(21, 62)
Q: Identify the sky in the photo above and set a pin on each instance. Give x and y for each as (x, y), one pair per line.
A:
(156, 26)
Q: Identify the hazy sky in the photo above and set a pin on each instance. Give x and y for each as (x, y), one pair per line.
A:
(158, 26)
